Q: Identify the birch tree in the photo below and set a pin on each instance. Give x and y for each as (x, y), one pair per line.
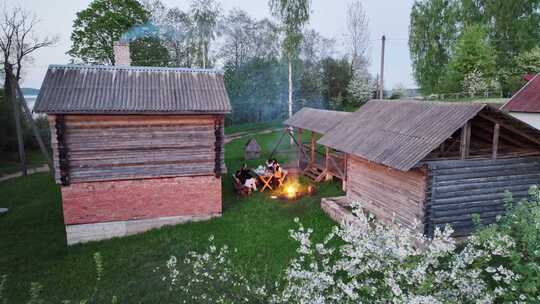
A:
(294, 15)
(205, 15)
(357, 37)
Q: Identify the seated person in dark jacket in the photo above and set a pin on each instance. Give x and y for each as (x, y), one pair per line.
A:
(246, 178)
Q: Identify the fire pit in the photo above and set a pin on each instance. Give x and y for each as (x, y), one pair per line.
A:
(293, 190)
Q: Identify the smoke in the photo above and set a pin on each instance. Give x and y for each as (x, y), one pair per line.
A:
(147, 29)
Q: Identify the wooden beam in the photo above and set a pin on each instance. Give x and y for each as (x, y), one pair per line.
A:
(502, 136)
(326, 158)
(465, 143)
(313, 146)
(345, 178)
(11, 93)
(300, 146)
(496, 131)
(35, 129)
(511, 128)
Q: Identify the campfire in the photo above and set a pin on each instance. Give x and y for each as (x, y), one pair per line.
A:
(293, 190)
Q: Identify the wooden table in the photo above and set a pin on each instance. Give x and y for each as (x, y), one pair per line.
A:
(266, 179)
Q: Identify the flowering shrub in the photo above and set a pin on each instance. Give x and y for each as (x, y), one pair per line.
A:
(522, 227)
(368, 262)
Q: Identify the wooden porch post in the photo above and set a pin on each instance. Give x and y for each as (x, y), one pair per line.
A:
(326, 158)
(300, 147)
(327, 162)
(465, 140)
(496, 132)
(312, 147)
(345, 179)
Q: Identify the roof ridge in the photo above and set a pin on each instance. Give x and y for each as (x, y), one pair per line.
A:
(135, 68)
(438, 102)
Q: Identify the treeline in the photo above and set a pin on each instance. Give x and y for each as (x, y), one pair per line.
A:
(477, 47)
(250, 52)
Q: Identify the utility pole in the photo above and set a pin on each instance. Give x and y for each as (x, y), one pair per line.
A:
(12, 94)
(381, 79)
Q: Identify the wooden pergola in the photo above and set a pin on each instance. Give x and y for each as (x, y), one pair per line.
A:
(313, 163)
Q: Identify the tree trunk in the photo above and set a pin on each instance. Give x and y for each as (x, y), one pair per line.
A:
(290, 93)
(11, 94)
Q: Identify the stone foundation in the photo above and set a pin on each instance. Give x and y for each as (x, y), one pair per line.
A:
(334, 207)
(83, 233)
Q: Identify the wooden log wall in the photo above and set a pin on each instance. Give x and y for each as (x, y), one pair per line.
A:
(457, 189)
(387, 193)
(116, 147)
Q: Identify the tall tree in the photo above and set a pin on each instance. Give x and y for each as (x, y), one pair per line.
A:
(336, 75)
(294, 15)
(433, 30)
(177, 29)
(238, 30)
(472, 53)
(18, 39)
(205, 15)
(97, 27)
(357, 36)
(266, 40)
(513, 27)
(18, 42)
(149, 51)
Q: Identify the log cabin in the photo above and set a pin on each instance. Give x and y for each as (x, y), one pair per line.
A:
(435, 163)
(525, 104)
(135, 148)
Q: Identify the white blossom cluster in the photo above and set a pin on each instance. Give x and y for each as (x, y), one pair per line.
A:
(369, 262)
(379, 263)
(210, 278)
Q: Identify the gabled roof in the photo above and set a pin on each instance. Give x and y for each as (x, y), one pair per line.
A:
(127, 90)
(399, 134)
(316, 120)
(527, 99)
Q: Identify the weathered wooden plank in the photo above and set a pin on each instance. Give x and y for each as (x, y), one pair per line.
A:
(471, 187)
(449, 164)
(387, 193)
(110, 147)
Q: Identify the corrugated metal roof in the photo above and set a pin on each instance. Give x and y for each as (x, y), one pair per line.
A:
(126, 89)
(527, 99)
(320, 121)
(399, 134)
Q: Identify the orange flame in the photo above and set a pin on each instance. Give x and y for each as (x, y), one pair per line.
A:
(291, 191)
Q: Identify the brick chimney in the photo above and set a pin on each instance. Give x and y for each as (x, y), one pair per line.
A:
(121, 53)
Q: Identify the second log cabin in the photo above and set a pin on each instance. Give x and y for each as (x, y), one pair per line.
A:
(435, 163)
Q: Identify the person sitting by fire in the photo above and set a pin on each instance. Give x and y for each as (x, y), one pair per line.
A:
(270, 166)
(246, 178)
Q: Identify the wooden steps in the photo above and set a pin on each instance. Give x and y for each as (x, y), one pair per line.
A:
(314, 173)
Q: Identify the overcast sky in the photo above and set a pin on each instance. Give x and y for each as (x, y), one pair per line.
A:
(389, 17)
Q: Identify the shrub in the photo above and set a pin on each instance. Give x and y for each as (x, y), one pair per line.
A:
(374, 263)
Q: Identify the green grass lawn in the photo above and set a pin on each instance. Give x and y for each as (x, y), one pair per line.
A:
(33, 247)
(9, 162)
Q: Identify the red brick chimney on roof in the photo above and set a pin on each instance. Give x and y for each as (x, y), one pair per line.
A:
(121, 53)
